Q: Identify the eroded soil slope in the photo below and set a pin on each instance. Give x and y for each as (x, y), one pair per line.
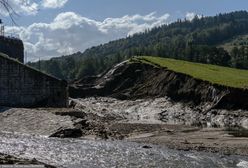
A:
(139, 80)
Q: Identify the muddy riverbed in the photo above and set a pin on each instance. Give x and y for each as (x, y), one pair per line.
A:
(112, 133)
(104, 154)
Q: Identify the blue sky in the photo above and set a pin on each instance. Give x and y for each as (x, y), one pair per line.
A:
(51, 28)
(101, 9)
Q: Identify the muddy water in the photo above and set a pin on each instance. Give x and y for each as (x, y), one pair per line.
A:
(105, 154)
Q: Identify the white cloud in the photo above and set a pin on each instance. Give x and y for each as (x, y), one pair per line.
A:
(26, 7)
(191, 15)
(30, 7)
(70, 32)
(54, 3)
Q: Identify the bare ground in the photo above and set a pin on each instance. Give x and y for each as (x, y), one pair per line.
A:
(181, 127)
(150, 121)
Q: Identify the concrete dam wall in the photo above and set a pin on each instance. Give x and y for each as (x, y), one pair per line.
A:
(22, 86)
(12, 47)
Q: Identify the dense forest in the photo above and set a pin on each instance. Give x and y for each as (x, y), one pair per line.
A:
(199, 40)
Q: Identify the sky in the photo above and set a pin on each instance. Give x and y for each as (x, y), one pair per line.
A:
(52, 28)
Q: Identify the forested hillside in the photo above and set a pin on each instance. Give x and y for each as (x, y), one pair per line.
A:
(204, 39)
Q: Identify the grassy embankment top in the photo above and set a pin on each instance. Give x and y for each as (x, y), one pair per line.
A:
(215, 74)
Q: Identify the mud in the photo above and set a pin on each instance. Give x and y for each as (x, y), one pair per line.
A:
(159, 121)
(137, 80)
(148, 122)
(44, 122)
(160, 111)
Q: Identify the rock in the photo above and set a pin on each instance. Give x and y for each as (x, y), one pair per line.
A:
(68, 133)
(72, 103)
(244, 123)
(146, 147)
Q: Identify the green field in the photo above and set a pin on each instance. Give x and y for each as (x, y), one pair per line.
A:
(215, 74)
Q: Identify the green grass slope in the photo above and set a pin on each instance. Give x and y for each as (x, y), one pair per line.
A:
(215, 74)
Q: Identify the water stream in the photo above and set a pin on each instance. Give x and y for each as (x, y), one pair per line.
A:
(105, 154)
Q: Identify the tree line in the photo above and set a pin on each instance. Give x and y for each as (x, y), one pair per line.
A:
(197, 40)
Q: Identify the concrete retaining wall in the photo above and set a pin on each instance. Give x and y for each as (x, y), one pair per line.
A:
(22, 86)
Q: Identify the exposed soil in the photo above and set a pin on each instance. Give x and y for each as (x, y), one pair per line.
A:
(44, 122)
(206, 139)
(182, 128)
(138, 80)
(151, 121)
(188, 101)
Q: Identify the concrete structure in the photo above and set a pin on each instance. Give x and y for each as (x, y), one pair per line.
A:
(1, 28)
(23, 86)
(12, 47)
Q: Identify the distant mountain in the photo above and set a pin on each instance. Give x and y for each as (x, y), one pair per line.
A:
(219, 40)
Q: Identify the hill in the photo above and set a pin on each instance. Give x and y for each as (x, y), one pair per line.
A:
(204, 85)
(225, 76)
(200, 40)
